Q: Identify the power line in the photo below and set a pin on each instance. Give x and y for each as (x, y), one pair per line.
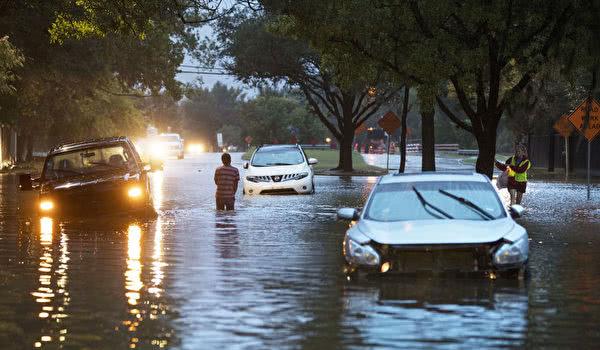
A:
(203, 73)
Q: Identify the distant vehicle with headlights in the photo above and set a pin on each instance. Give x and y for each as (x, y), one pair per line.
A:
(435, 223)
(279, 169)
(92, 177)
(166, 146)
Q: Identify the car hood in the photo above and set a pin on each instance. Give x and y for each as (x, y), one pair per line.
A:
(277, 170)
(90, 180)
(437, 231)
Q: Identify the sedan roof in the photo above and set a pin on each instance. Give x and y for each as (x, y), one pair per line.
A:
(88, 144)
(433, 176)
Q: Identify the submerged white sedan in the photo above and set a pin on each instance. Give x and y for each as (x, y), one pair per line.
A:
(436, 223)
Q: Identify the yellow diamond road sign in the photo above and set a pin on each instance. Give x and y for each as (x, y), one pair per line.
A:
(588, 128)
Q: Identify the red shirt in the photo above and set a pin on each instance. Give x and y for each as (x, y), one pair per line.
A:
(226, 179)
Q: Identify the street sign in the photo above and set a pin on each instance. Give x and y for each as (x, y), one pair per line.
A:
(563, 126)
(219, 140)
(578, 118)
(389, 122)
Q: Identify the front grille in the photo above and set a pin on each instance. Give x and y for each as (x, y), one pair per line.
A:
(438, 258)
(279, 191)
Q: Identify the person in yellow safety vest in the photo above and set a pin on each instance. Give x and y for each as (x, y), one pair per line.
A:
(517, 167)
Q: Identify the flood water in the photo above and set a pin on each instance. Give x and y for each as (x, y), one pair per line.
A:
(270, 276)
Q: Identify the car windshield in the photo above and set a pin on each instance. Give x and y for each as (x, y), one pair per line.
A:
(168, 138)
(462, 200)
(88, 161)
(277, 156)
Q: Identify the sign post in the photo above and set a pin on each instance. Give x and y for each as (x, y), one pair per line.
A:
(586, 119)
(390, 123)
(564, 128)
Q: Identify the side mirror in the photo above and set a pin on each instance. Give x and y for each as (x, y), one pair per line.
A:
(516, 211)
(348, 214)
(25, 182)
(246, 165)
(312, 161)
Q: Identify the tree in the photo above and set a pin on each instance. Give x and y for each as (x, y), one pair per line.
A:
(491, 52)
(487, 51)
(70, 83)
(279, 117)
(257, 55)
(360, 38)
(10, 59)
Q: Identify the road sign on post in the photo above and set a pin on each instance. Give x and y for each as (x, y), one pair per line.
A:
(586, 119)
(579, 118)
(219, 140)
(390, 123)
(564, 128)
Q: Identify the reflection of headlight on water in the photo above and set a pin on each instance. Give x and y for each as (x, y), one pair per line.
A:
(46, 229)
(196, 148)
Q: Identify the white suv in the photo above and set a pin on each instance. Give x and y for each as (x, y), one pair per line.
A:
(279, 169)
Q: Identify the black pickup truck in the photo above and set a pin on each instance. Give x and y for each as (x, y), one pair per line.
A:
(94, 177)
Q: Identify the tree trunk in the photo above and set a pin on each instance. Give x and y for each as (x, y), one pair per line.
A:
(347, 139)
(403, 134)
(345, 160)
(29, 148)
(20, 148)
(487, 153)
(427, 140)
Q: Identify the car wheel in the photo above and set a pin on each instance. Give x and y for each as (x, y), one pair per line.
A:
(313, 187)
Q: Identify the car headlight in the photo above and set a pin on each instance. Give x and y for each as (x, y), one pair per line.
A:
(300, 176)
(360, 254)
(135, 192)
(512, 253)
(46, 205)
(257, 178)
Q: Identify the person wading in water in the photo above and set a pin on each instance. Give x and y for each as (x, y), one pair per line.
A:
(517, 167)
(226, 179)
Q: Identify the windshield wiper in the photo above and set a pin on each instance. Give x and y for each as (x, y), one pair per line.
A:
(280, 164)
(425, 204)
(485, 215)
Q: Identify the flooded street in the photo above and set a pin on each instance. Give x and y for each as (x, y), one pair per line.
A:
(269, 275)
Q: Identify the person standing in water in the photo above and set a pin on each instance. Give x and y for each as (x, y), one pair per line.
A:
(517, 167)
(226, 179)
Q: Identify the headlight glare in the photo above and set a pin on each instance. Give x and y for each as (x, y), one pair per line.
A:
(360, 254)
(134, 192)
(46, 205)
(512, 253)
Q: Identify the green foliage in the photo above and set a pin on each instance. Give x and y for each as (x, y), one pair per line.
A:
(10, 59)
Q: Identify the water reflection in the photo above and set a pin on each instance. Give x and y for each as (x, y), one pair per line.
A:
(438, 311)
(146, 308)
(52, 293)
(226, 235)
